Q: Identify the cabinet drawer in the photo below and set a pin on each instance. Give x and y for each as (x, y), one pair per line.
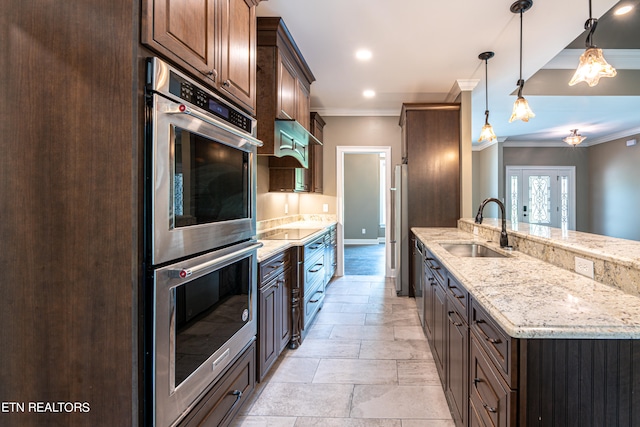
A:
(312, 249)
(436, 271)
(499, 346)
(313, 302)
(492, 401)
(458, 297)
(313, 271)
(223, 402)
(274, 266)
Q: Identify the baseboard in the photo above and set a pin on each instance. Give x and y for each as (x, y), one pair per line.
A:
(361, 241)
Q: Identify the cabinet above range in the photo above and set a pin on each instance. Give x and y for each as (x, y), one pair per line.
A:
(283, 101)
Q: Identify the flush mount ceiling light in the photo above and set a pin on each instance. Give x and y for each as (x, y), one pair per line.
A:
(487, 133)
(364, 54)
(623, 10)
(592, 65)
(574, 138)
(369, 93)
(521, 109)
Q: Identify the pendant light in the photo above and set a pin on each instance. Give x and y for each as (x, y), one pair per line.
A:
(487, 133)
(521, 109)
(592, 64)
(574, 138)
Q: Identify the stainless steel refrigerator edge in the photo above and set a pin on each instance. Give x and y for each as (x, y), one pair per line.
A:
(400, 230)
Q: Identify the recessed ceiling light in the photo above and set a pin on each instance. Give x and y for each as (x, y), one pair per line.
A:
(369, 93)
(363, 54)
(623, 10)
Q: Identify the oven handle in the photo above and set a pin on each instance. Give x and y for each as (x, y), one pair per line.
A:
(187, 272)
(184, 109)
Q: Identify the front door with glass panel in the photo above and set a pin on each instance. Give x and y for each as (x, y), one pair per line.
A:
(541, 195)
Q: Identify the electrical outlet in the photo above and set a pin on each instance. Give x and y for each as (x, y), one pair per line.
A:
(584, 267)
(364, 231)
(325, 207)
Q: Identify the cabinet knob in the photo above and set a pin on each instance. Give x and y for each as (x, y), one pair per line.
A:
(213, 74)
(226, 83)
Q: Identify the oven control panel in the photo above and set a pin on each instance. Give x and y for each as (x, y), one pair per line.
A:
(193, 94)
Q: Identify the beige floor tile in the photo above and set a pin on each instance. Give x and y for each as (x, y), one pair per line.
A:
(398, 350)
(409, 333)
(365, 308)
(349, 299)
(400, 318)
(418, 372)
(310, 400)
(319, 332)
(346, 422)
(249, 421)
(295, 370)
(332, 307)
(356, 371)
(328, 318)
(363, 332)
(380, 401)
(327, 349)
(428, 423)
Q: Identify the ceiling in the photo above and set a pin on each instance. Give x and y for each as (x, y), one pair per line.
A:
(423, 51)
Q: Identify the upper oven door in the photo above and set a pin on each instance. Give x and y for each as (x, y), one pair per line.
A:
(202, 182)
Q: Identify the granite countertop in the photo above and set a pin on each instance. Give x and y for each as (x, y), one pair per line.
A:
(530, 298)
(272, 247)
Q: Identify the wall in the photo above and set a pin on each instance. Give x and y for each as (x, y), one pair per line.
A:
(361, 196)
(614, 172)
(339, 131)
(557, 156)
(486, 171)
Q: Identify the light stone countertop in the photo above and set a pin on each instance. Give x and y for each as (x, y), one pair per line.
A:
(272, 247)
(530, 298)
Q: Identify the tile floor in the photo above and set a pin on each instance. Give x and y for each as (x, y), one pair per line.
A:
(365, 362)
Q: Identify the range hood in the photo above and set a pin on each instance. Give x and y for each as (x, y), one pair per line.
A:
(292, 144)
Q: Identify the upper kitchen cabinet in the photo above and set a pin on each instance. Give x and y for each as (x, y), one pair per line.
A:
(215, 39)
(316, 160)
(283, 101)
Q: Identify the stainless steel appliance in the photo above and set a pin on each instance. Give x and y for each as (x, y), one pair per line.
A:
(204, 315)
(202, 155)
(200, 246)
(400, 231)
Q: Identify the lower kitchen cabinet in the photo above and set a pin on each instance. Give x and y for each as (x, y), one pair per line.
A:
(223, 402)
(491, 379)
(274, 310)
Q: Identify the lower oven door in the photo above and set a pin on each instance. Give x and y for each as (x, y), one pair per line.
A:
(204, 315)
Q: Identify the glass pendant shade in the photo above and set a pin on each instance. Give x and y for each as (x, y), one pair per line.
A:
(592, 67)
(521, 110)
(487, 133)
(574, 138)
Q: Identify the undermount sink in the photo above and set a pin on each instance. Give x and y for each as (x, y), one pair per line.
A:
(472, 250)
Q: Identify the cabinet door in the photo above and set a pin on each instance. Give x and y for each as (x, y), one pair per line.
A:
(284, 322)
(269, 340)
(184, 28)
(439, 330)
(457, 365)
(237, 69)
(303, 101)
(286, 91)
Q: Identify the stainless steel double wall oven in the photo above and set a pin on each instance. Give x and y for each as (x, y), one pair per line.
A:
(201, 252)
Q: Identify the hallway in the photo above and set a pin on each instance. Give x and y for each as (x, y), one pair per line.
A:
(364, 362)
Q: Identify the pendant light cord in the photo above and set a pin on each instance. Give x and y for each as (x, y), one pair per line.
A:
(520, 82)
(590, 25)
(486, 91)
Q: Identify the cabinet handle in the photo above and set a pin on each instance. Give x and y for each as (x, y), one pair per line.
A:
(317, 269)
(226, 83)
(453, 321)
(476, 381)
(278, 265)
(451, 288)
(489, 408)
(485, 336)
(316, 300)
(238, 395)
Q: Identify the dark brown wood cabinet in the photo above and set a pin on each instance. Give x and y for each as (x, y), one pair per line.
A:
(493, 379)
(431, 150)
(274, 309)
(213, 39)
(316, 161)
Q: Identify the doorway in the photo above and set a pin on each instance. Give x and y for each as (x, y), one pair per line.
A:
(383, 206)
(543, 195)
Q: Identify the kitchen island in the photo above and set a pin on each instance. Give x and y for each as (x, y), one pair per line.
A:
(520, 340)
